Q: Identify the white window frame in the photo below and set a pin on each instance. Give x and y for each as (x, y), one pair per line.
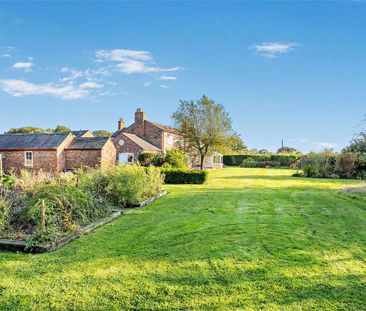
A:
(28, 162)
(217, 159)
(170, 140)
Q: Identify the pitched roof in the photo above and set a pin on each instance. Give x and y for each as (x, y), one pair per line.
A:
(32, 141)
(145, 145)
(116, 133)
(164, 128)
(88, 143)
(79, 133)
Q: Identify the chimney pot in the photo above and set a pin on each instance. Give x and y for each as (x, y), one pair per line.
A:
(121, 124)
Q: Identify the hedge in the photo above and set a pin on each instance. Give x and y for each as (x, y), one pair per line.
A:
(284, 160)
(181, 176)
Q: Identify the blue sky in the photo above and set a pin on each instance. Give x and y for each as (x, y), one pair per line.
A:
(283, 70)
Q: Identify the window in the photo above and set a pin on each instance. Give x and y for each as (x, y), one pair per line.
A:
(28, 158)
(217, 159)
(170, 140)
(130, 158)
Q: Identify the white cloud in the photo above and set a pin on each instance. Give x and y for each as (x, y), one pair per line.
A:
(18, 88)
(131, 61)
(167, 78)
(324, 145)
(23, 65)
(147, 83)
(90, 85)
(164, 86)
(273, 49)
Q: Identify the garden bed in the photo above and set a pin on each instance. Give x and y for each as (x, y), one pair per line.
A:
(23, 246)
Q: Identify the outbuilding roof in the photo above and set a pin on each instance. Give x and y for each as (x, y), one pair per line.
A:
(88, 143)
(32, 141)
(145, 145)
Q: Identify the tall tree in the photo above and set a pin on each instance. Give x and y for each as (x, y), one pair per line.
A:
(204, 125)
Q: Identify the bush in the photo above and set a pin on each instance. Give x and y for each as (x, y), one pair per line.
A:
(147, 158)
(4, 211)
(322, 165)
(285, 160)
(176, 158)
(269, 164)
(180, 176)
(249, 162)
(346, 164)
(7, 181)
(131, 184)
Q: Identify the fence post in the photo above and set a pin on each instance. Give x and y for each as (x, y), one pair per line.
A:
(43, 216)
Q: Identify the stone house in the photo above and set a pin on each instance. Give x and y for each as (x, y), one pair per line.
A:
(55, 152)
(142, 136)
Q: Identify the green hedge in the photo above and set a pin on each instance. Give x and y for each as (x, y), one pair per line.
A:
(181, 176)
(284, 160)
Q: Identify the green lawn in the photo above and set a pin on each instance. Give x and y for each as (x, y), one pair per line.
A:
(248, 239)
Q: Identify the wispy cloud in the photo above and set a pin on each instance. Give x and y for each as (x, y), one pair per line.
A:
(132, 61)
(23, 65)
(164, 86)
(167, 78)
(18, 88)
(273, 49)
(90, 85)
(147, 83)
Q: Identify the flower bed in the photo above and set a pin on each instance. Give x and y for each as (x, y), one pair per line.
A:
(70, 202)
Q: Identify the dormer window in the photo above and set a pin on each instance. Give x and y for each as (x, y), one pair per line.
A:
(28, 159)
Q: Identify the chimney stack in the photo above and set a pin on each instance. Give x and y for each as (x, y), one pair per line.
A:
(140, 116)
(121, 124)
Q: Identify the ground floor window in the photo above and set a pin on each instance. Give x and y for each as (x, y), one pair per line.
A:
(217, 159)
(28, 159)
(126, 158)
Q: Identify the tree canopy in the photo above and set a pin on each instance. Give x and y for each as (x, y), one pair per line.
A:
(32, 129)
(102, 133)
(287, 150)
(204, 125)
(61, 128)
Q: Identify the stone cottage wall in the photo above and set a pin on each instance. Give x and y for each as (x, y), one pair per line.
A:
(47, 160)
(75, 159)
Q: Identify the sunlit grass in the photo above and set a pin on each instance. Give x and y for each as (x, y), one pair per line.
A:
(248, 239)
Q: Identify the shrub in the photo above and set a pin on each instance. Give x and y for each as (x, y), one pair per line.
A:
(249, 162)
(346, 164)
(180, 176)
(147, 158)
(7, 181)
(285, 160)
(176, 158)
(268, 164)
(322, 165)
(130, 184)
(4, 211)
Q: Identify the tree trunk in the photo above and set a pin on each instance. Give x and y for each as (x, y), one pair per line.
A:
(202, 160)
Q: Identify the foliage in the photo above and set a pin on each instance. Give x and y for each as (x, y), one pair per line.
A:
(7, 181)
(102, 133)
(346, 164)
(176, 158)
(204, 125)
(321, 165)
(181, 176)
(249, 162)
(234, 145)
(284, 160)
(61, 128)
(287, 150)
(4, 211)
(74, 200)
(358, 144)
(130, 184)
(24, 130)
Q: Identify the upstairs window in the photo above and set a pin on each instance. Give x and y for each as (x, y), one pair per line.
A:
(28, 159)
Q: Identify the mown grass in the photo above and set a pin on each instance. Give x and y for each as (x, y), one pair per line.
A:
(248, 239)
